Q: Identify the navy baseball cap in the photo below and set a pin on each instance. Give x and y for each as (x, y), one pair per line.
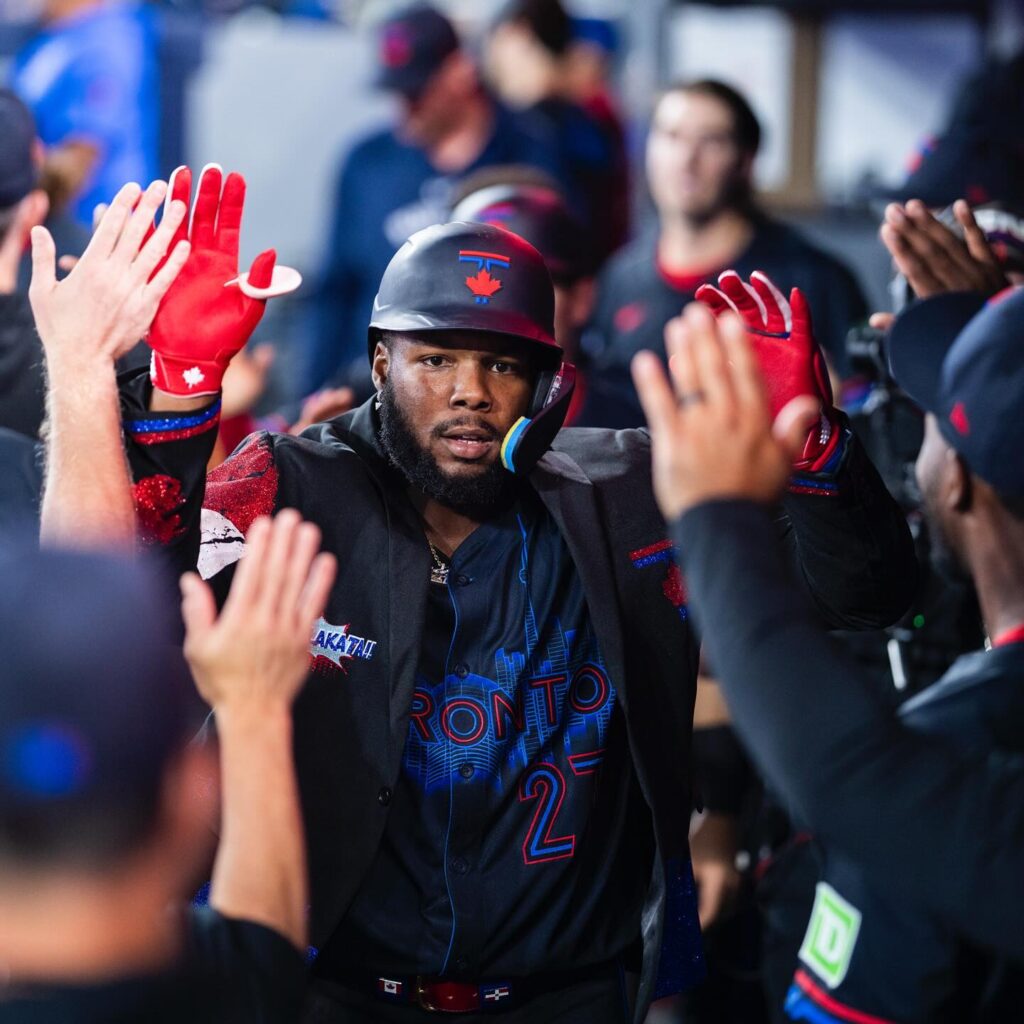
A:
(412, 46)
(95, 696)
(961, 358)
(18, 172)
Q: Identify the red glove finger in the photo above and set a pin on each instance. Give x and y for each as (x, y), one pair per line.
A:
(778, 318)
(714, 300)
(260, 275)
(746, 301)
(207, 200)
(803, 332)
(229, 217)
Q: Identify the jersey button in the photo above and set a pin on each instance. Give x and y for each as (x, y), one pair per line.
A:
(462, 670)
(384, 796)
(462, 580)
(466, 770)
(460, 866)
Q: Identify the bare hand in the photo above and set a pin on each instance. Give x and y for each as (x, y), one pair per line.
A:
(107, 302)
(713, 847)
(931, 256)
(323, 405)
(256, 653)
(712, 437)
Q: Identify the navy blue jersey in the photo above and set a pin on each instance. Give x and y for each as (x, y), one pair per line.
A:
(517, 833)
(868, 956)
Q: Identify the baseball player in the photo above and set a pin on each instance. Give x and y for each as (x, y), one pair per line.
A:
(493, 742)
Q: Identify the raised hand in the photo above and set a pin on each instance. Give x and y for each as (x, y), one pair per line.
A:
(713, 436)
(790, 359)
(256, 652)
(212, 310)
(108, 301)
(933, 258)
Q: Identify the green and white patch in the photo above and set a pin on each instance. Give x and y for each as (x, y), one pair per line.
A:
(831, 935)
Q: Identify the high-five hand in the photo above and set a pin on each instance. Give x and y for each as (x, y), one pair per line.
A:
(212, 310)
(712, 432)
(108, 301)
(790, 358)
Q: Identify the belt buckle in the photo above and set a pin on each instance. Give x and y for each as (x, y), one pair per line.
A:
(453, 996)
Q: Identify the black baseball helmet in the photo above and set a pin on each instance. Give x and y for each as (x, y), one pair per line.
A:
(542, 217)
(477, 277)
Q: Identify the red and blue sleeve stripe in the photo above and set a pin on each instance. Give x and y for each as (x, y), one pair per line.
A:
(158, 430)
(807, 1000)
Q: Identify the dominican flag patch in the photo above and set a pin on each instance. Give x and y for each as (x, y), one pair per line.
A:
(389, 987)
(495, 993)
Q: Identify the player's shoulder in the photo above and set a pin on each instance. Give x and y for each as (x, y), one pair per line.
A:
(372, 149)
(603, 454)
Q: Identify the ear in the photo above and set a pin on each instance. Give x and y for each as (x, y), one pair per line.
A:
(584, 291)
(460, 72)
(35, 207)
(957, 482)
(381, 365)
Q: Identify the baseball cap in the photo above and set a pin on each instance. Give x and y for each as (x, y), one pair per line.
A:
(960, 357)
(18, 131)
(539, 215)
(411, 47)
(94, 694)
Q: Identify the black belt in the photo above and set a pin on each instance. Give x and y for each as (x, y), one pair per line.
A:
(450, 995)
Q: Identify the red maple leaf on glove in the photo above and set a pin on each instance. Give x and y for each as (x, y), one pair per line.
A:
(483, 284)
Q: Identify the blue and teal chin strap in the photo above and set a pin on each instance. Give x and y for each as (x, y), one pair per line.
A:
(530, 437)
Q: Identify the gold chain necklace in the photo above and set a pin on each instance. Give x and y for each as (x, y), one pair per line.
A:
(439, 569)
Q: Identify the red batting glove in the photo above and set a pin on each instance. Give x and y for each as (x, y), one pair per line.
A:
(211, 310)
(790, 359)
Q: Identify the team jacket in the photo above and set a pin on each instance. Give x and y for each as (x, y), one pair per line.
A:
(850, 545)
(872, 957)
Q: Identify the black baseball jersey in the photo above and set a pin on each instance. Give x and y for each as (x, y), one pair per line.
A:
(517, 834)
(637, 297)
(870, 956)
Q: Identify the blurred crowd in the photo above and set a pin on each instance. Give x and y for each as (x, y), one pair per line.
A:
(106, 797)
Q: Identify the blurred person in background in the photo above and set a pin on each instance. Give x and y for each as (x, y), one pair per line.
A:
(89, 77)
(918, 810)
(23, 205)
(105, 806)
(400, 180)
(527, 61)
(539, 213)
(700, 157)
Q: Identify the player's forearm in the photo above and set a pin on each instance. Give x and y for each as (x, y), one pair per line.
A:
(260, 872)
(87, 498)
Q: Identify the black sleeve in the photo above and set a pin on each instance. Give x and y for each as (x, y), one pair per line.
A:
(167, 455)
(258, 975)
(851, 544)
(945, 831)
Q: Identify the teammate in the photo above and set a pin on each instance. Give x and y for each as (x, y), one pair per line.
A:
(493, 741)
(104, 805)
(400, 179)
(700, 155)
(919, 811)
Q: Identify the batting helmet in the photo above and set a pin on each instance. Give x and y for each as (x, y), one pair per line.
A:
(477, 277)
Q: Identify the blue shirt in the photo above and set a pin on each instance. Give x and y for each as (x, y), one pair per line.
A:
(92, 77)
(517, 839)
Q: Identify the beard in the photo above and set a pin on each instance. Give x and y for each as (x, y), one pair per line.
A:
(942, 559)
(478, 495)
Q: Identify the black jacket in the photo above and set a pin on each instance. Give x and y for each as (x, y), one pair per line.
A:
(933, 825)
(854, 553)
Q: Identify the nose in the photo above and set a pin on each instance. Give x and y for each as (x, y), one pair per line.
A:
(470, 389)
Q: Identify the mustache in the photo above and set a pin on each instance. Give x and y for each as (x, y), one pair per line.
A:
(467, 424)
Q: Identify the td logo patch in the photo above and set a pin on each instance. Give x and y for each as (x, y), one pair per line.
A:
(831, 935)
